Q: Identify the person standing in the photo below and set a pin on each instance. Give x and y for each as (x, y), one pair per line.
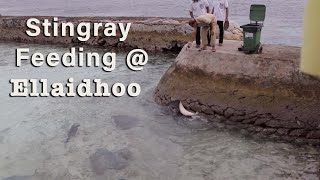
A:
(198, 8)
(221, 11)
(208, 23)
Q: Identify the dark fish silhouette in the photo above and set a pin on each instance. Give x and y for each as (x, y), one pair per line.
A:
(72, 132)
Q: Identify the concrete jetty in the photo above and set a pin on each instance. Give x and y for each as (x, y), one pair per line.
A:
(263, 93)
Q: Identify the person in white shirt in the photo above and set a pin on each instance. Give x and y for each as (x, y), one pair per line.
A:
(221, 11)
(211, 5)
(198, 8)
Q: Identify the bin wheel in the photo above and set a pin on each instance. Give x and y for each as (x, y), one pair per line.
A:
(241, 48)
(261, 49)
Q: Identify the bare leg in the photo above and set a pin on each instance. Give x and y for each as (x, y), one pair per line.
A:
(213, 36)
(213, 41)
(193, 37)
(204, 33)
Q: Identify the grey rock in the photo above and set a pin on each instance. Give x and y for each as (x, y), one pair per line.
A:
(261, 121)
(298, 132)
(229, 113)
(283, 131)
(268, 131)
(102, 42)
(174, 107)
(314, 134)
(197, 108)
(207, 110)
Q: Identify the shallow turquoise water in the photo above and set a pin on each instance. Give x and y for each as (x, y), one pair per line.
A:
(33, 131)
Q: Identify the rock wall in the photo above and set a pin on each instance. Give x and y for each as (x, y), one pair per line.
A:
(159, 34)
(263, 93)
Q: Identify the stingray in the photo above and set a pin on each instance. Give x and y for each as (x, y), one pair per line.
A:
(124, 122)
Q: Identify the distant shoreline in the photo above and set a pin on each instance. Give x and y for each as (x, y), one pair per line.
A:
(149, 33)
(283, 24)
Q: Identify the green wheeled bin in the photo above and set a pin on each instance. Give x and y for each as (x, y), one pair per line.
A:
(252, 31)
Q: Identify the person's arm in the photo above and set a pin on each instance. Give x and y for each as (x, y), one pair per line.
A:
(227, 14)
(226, 4)
(191, 11)
(207, 6)
(191, 14)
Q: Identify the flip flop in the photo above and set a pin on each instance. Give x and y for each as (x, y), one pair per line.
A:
(213, 50)
(202, 49)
